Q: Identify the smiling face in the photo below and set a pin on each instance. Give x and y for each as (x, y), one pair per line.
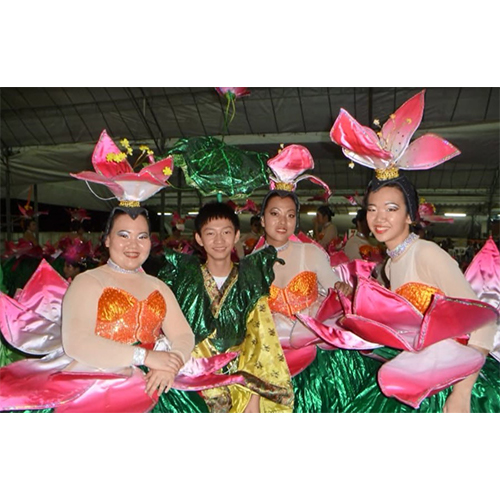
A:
(128, 241)
(387, 216)
(218, 237)
(279, 220)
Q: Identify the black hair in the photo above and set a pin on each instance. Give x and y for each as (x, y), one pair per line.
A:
(132, 212)
(404, 185)
(360, 216)
(325, 210)
(255, 219)
(215, 210)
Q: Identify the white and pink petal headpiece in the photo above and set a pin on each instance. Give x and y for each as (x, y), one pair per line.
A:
(114, 171)
(390, 150)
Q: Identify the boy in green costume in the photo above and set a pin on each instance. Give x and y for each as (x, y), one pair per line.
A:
(226, 306)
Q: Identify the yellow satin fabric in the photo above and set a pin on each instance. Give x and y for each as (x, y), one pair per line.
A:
(263, 364)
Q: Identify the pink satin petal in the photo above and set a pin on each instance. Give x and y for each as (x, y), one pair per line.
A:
(367, 161)
(349, 271)
(28, 384)
(401, 125)
(208, 381)
(483, 274)
(290, 162)
(373, 301)
(44, 291)
(157, 170)
(109, 169)
(202, 366)
(427, 152)
(319, 182)
(100, 179)
(352, 136)
(334, 335)
(411, 377)
(330, 307)
(111, 393)
(299, 359)
(378, 333)
(448, 317)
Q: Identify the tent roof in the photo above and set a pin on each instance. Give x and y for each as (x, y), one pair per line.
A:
(48, 132)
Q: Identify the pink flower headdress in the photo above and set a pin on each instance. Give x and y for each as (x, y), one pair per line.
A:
(287, 167)
(114, 171)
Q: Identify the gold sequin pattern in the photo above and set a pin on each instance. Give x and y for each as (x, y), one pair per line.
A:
(300, 293)
(419, 294)
(123, 318)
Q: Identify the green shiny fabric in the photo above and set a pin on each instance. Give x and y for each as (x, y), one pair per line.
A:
(17, 272)
(213, 167)
(485, 394)
(332, 381)
(182, 273)
(175, 401)
(7, 354)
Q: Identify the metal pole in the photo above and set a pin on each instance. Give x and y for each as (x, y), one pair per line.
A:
(162, 215)
(35, 205)
(7, 200)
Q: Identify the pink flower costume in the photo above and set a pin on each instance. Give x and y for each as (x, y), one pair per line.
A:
(88, 360)
(431, 313)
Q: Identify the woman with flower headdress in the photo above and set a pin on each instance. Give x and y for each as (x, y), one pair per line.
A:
(433, 316)
(112, 318)
(324, 380)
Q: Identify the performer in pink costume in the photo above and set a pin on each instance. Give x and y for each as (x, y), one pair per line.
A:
(113, 319)
(430, 304)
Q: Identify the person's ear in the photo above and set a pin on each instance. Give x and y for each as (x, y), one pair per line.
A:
(106, 242)
(237, 236)
(198, 239)
(408, 219)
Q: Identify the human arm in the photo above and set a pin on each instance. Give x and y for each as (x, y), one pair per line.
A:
(175, 326)
(79, 317)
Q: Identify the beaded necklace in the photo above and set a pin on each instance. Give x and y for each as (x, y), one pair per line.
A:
(411, 238)
(116, 267)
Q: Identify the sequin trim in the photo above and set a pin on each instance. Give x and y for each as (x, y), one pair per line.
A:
(410, 239)
(301, 292)
(419, 294)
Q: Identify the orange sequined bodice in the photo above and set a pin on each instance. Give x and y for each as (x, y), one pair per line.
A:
(301, 292)
(123, 318)
(418, 294)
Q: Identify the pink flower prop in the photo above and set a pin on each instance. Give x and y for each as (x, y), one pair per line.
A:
(79, 214)
(483, 274)
(379, 316)
(427, 215)
(288, 165)
(31, 321)
(28, 212)
(392, 146)
(232, 92)
(119, 177)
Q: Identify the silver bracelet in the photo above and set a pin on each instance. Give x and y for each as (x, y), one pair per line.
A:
(139, 356)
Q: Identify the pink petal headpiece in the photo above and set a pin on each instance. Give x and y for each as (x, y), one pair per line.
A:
(115, 172)
(288, 165)
(390, 149)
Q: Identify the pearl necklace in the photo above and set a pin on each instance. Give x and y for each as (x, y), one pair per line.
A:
(116, 267)
(411, 238)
